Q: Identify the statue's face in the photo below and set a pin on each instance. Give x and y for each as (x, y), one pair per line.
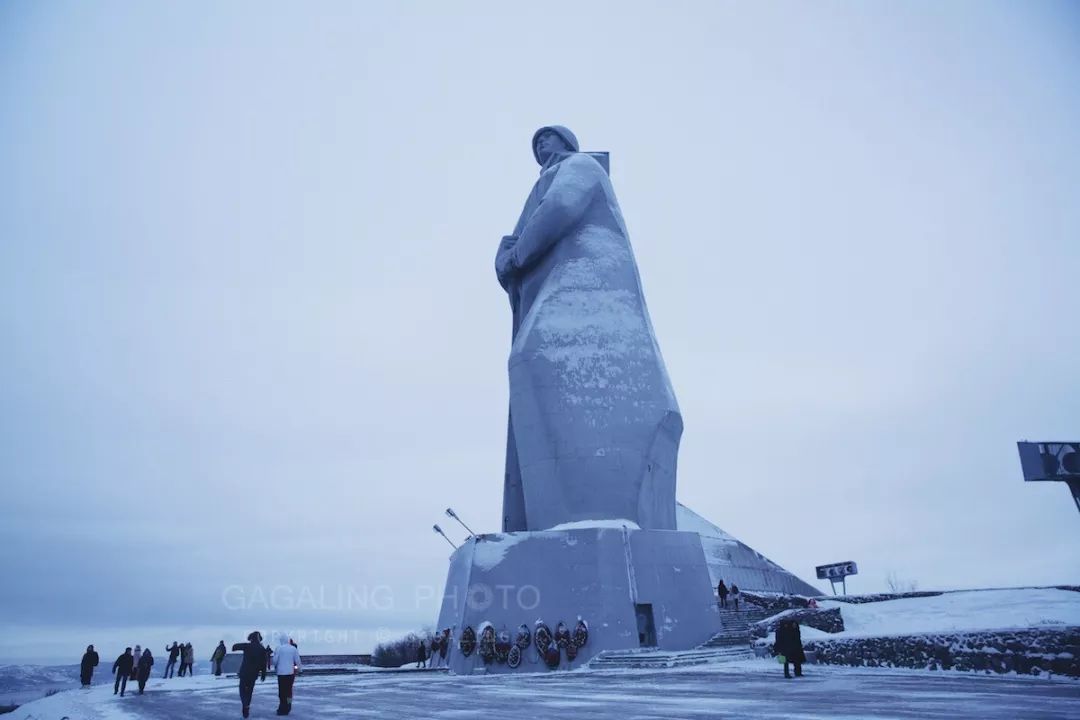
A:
(549, 143)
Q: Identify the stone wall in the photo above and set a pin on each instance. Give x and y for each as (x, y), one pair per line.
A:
(829, 621)
(1053, 650)
(882, 597)
(775, 603)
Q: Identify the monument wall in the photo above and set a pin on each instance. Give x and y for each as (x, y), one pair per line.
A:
(600, 575)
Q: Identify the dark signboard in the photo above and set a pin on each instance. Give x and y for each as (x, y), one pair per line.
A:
(1049, 460)
(1052, 461)
(837, 571)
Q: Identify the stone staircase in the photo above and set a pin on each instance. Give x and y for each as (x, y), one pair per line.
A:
(638, 659)
(731, 643)
(735, 628)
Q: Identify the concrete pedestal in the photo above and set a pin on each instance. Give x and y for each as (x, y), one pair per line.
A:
(634, 588)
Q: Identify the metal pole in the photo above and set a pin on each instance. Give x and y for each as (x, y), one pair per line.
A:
(438, 529)
(450, 513)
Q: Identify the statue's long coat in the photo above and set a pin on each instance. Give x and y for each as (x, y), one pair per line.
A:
(594, 426)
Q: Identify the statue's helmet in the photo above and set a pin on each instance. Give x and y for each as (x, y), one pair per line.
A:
(563, 132)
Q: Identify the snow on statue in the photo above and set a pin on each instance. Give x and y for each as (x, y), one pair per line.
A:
(594, 426)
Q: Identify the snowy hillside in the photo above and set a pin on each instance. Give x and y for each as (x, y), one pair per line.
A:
(22, 683)
(959, 611)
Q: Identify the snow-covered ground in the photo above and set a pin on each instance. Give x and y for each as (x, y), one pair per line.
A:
(958, 612)
(749, 689)
(744, 689)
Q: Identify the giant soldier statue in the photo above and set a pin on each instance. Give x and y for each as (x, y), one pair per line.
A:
(591, 529)
(594, 427)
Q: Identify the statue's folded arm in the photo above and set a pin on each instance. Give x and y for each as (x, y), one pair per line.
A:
(561, 208)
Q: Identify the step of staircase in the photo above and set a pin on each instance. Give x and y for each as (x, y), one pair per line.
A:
(735, 628)
(731, 643)
(636, 659)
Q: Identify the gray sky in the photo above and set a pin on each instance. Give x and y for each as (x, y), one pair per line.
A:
(252, 335)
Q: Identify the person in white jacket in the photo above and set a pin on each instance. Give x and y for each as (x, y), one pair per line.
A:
(286, 664)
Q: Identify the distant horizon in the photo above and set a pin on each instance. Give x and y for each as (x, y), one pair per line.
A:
(227, 634)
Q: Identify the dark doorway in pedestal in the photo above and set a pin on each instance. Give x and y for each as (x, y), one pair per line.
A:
(646, 628)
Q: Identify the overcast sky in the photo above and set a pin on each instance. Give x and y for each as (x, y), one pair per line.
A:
(252, 337)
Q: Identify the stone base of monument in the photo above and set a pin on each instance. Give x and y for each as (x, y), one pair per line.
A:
(633, 588)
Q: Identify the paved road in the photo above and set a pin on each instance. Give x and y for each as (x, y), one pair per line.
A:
(755, 689)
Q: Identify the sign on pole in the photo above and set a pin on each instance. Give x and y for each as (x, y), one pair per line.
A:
(837, 573)
(1042, 461)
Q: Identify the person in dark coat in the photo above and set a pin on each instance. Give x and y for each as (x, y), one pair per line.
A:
(174, 652)
(789, 644)
(253, 663)
(421, 655)
(218, 657)
(269, 655)
(722, 591)
(146, 662)
(86, 667)
(122, 668)
(735, 595)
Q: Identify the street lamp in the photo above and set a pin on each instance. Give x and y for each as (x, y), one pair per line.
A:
(450, 513)
(438, 529)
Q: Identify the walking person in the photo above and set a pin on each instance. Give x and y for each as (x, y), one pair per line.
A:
(170, 667)
(789, 644)
(86, 667)
(146, 662)
(252, 665)
(421, 655)
(135, 662)
(735, 595)
(722, 592)
(287, 666)
(122, 668)
(269, 654)
(218, 657)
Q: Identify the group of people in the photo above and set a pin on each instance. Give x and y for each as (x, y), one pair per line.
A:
(723, 592)
(185, 654)
(255, 663)
(788, 645)
(440, 646)
(135, 665)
